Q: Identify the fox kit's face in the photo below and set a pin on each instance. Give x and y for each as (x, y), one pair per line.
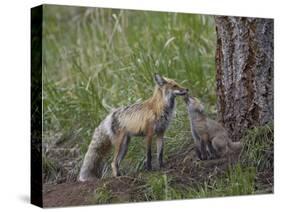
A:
(170, 87)
(194, 104)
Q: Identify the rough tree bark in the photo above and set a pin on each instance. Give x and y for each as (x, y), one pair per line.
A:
(244, 63)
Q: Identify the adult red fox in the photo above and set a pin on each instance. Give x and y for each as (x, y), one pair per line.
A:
(211, 139)
(147, 118)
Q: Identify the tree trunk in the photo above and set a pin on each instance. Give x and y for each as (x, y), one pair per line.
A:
(244, 63)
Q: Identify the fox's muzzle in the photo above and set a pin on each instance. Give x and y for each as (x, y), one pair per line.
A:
(182, 92)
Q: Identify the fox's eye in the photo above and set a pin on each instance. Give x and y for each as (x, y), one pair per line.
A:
(174, 86)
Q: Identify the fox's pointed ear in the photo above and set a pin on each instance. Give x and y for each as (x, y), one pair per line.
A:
(159, 80)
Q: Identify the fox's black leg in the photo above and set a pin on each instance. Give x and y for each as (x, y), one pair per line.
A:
(198, 153)
(203, 142)
(160, 148)
(213, 152)
(149, 135)
(147, 163)
(203, 150)
(198, 148)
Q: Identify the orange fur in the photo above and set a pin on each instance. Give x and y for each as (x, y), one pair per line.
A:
(150, 111)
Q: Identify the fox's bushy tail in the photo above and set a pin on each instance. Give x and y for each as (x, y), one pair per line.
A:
(235, 146)
(92, 164)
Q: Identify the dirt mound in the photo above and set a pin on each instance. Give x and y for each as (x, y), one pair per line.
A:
(68, 194)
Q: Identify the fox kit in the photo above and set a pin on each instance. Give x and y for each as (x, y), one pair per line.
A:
(147, 118)
(210, 137)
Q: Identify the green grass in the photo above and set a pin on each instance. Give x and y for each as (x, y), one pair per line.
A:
(158, 188)
(102, 195)
(50, 168)
(98, 59)
(258, 147)
(236, 181)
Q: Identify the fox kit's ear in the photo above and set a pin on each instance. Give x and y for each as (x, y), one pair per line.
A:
(159, 80)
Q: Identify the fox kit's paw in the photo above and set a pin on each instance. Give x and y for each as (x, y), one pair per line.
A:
(200, 155)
